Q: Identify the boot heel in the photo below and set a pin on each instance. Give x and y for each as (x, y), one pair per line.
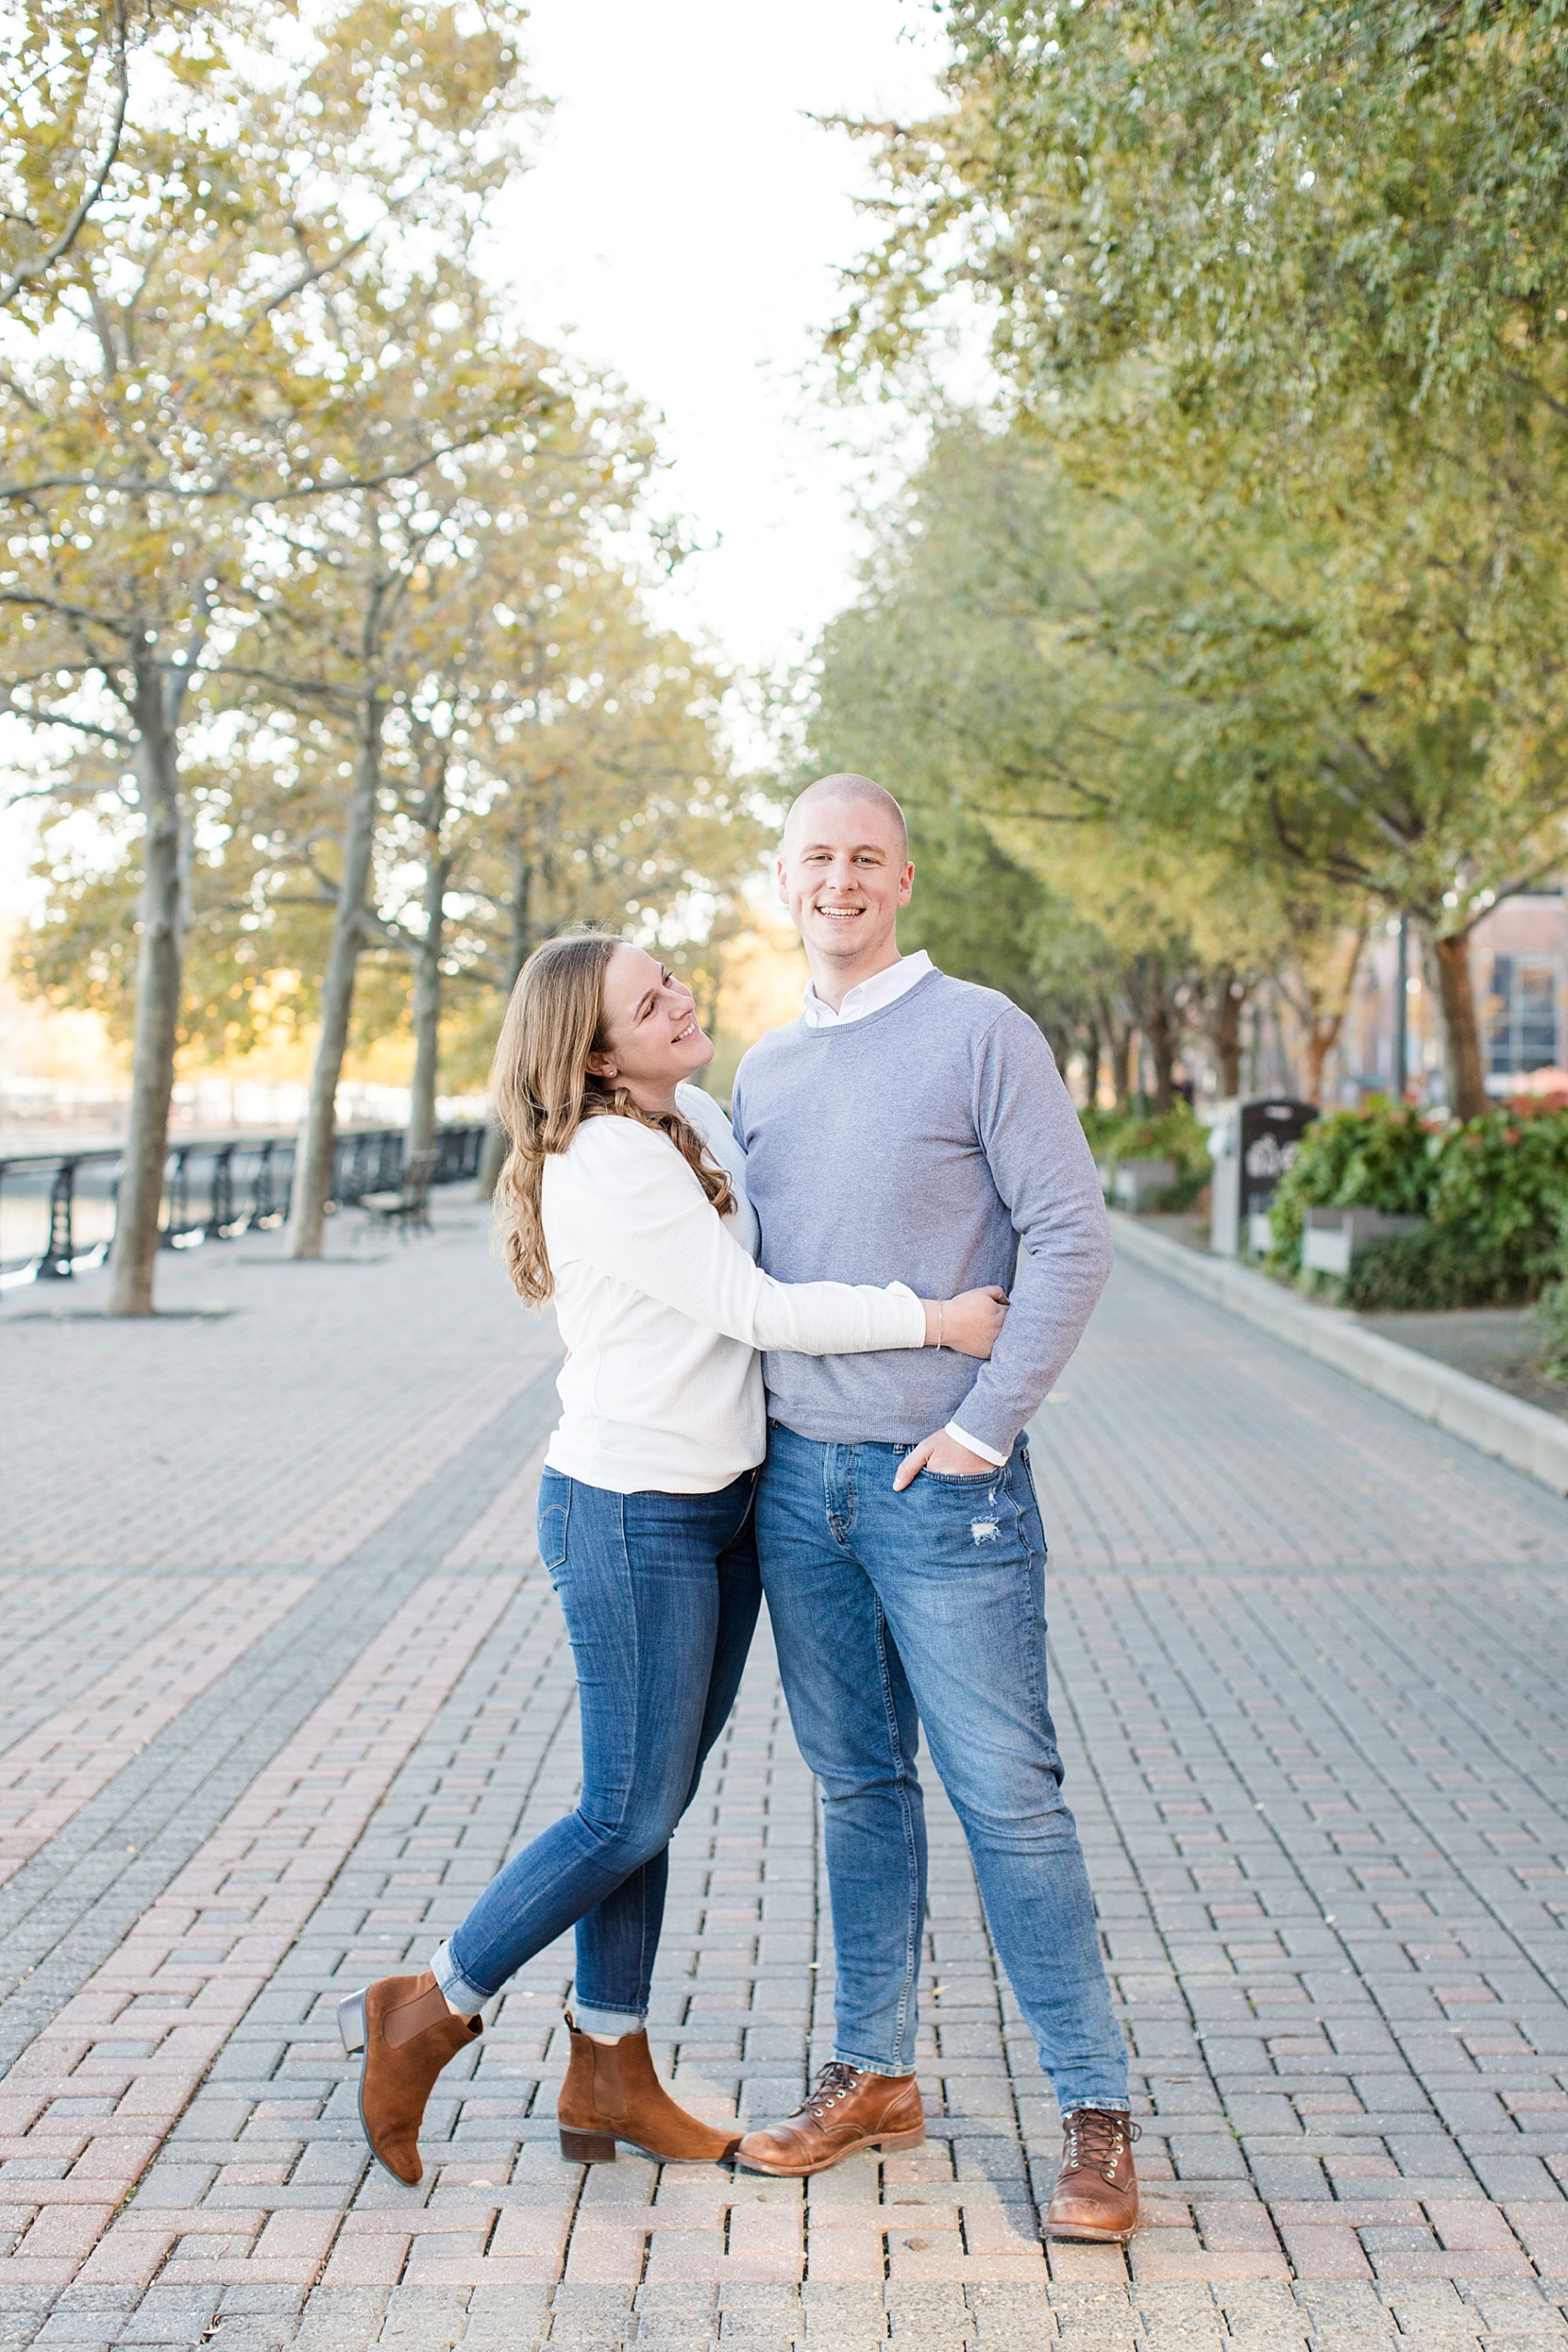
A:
(587, 2147)
(351, 2023)
(891, 2140)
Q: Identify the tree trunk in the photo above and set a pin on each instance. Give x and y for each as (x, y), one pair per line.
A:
(1467, 1085)
(1321, 1012)
(1116, 1038)
(1163, 1041)
(1121, 1069)
(1090, 1050)
(1225, 1034)
(314, 1158)
(497, 1143)
(427, 998)
(133, 1254)
(1321, 1036)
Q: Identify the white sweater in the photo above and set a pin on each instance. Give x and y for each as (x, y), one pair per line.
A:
(663, 1310)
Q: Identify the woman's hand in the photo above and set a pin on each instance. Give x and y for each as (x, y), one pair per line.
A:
(971, 1323)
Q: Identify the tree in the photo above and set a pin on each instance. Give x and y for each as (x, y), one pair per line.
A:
(612, 803)
(195, 376)
(969, 675)
(1353, 718)
(360, 599)
(534, 551)
(1301, 207)
(65, 69)
(548, 757)
(1296, 274)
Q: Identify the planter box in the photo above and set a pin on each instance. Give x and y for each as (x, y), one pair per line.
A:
(1332, 1237)
(1137, 1181)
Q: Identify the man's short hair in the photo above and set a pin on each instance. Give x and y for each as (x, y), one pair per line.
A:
(850, 787)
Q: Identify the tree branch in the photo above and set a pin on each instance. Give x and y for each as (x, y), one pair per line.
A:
(73, 229)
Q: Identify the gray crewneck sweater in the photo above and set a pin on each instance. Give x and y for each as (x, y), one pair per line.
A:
(921, 1145)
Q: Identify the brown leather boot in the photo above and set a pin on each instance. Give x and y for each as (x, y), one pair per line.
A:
(407, 2033)
(1096, 2194)
(848, 2110)
(611, 2092)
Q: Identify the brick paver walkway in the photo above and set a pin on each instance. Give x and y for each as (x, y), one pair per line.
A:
(281, 1683)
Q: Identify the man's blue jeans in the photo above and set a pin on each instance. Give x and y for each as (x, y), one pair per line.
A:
(891, 1610)
(660, 1598)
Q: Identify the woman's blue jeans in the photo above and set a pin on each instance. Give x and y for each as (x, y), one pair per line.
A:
(661, 1596)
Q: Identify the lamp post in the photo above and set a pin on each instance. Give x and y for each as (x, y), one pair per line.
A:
(1402, 1010)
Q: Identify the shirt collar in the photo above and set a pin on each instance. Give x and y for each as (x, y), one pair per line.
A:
(868, 996)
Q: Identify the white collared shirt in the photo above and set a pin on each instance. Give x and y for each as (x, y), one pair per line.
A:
(870, 996)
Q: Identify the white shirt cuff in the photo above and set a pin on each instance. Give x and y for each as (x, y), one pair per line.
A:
(985, 1453)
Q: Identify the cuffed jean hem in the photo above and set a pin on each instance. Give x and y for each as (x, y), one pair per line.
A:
(1101, 2106)
(873, 2066)
(463, 1995)
(588, 2020)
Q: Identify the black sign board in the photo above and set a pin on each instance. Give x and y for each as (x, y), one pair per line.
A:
(1271, 1131)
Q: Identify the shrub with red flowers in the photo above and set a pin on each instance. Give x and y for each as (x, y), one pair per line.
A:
(1494, 1192)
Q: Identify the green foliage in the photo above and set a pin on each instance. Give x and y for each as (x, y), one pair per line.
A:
(1549, 1316)
(1379, 1158)
(976, 913)
(1285, 283)
(1495, 1190)
(1504, 1192)
(980, 677)
(1432, 1269)
(1176, 1134)
(1293, 202)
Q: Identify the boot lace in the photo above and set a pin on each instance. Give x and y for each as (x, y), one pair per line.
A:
(835, 2082)
(1097, 2140)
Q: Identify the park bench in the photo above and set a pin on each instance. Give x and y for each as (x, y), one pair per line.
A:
(408, 1208)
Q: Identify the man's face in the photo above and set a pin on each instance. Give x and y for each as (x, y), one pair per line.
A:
(843, 873)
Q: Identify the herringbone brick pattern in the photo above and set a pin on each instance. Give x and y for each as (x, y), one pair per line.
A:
(1309, 1669)
(49, 1772)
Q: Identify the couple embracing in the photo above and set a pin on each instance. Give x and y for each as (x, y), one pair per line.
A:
(740, 1418)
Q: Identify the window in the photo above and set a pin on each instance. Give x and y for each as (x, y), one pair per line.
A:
(1523, 1016)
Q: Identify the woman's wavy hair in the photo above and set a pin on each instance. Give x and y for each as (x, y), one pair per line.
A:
(543, 1089)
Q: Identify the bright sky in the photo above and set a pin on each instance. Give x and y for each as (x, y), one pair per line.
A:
(686, 224)
(683, 227)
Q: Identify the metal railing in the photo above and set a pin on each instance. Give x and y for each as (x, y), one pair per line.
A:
(56, 1209)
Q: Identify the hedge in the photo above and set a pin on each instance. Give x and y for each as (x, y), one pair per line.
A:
(1176, 1134)
(1493, 1191)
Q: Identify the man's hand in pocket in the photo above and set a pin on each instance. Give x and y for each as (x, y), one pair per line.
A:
(945, 1456)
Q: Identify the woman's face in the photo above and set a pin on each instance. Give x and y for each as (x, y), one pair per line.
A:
(650, 1028)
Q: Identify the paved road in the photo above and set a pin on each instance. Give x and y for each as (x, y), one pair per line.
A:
(283, 1682)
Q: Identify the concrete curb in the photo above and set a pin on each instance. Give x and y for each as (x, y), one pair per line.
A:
(1504, 1426)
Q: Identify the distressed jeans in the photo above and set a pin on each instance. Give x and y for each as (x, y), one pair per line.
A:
(660, 1598)
(891, 1610)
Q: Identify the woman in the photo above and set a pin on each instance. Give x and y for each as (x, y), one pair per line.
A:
(624, 1199)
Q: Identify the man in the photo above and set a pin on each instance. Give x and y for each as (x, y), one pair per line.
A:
(913, 1128)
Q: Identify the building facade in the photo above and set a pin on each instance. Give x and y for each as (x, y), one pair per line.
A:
(1519, 961)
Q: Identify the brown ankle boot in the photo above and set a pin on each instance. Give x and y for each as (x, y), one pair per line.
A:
(1096, 2195)
(611, 2092)
(848, 2110)
(407, 2033)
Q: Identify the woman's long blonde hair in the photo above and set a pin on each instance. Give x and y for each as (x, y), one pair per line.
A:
(543, 1089)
